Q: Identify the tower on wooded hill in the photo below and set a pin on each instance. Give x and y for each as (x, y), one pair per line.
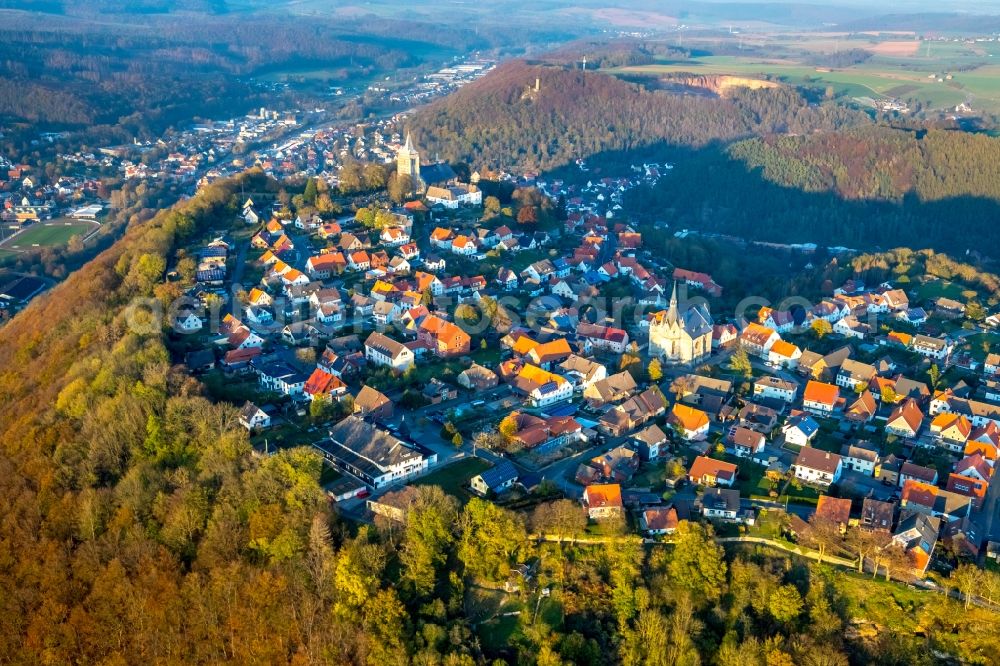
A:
(408, 162)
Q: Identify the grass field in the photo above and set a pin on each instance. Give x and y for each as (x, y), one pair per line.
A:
(907, 70)
(48, 234)
(454, 476)
(936, 288)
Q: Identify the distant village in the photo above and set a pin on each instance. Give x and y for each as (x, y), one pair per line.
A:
(399, 344)
(284, 144)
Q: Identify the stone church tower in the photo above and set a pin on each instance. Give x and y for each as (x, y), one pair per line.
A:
(408, 163)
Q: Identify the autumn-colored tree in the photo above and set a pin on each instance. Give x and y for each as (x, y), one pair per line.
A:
(740, 362)
(821, 328)
(492, 539)
(697, 562)
(654, 370)
(822, 534)
(428, 537)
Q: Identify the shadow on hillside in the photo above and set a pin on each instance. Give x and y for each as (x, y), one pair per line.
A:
(709, 191)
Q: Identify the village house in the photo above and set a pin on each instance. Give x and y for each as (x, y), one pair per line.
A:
(854, 373)
(371, 454)
(603, 338)
(775, 388)
(862, 457)
(254, 418)
(758, 339)
(478, 378)
(691, 424)
(445, 338)
(603, 501)
(617, 465)
(651, 442)
(906, 420)
(744, 442)
(911, 471)
(634, 412)
(541, 387)
(723, 504)
(952, 431)
(820, 398)
(613, 389)
(862, 409)
(455, 195)
(836, 511)
(784, 354)
(656, 521)
(932, 348)
(495, 480)
(877, 515)
(702, 281)
(724, 336)
(800, 429)
(928, 499)
(322, 385)
(917, 534)
(280, 377)
(780, 321)
(710, 472)
(582, 372)
(544, 435)
(372, 404)
(817, 467)
(382, 350)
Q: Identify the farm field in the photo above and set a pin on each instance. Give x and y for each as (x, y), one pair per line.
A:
(913, 77)
(47, 234)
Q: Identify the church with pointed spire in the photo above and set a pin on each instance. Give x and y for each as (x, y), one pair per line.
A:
(681, 334)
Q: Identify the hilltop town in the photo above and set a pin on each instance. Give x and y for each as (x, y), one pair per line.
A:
(533, 349)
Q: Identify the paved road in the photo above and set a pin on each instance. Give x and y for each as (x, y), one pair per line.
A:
(233, 306)
(988, 513)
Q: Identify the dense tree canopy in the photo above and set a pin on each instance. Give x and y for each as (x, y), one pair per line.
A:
(501, 121)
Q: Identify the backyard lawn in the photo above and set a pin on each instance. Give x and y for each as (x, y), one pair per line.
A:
(936, 288)
(752, 481)
(801, 495)
(454, 476)
(767, 525)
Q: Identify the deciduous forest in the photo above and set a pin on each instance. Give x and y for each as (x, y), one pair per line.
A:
(760, 164)
(502, 122)
(862, 188)
(136, 526)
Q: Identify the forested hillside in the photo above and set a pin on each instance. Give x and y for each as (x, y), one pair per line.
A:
(761, 164)
(136, 527)
(863, 188)
(131, 72)
(500, 121)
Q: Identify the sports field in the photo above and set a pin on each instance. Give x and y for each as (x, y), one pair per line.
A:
(48, 234)
(938, 75)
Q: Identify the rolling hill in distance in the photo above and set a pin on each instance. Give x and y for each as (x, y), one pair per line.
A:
(866, 183)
